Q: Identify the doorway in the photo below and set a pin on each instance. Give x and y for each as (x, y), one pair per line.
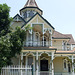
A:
(44, 65)
(69, 69)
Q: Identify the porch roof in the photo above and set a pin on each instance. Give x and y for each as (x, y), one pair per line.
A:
(40, 48)
(65, 52)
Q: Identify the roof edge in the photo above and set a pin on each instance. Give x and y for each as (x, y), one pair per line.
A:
(41, 17)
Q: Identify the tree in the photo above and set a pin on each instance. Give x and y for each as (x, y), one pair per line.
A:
(17, 39)
(11, 46)
(11, 43)
(4, 19)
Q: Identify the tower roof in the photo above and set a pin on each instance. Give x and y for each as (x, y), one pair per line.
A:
(31, 3)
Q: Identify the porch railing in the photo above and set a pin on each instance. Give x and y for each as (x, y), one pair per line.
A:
(36, 44)
(16, 70)
(62, 73)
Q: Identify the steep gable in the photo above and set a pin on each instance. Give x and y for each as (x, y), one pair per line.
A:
(17, 21)
(40, 19)
(18, 18)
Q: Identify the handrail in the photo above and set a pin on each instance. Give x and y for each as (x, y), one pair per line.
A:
(36, 43)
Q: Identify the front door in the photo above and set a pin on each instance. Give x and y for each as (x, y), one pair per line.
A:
(44, 65)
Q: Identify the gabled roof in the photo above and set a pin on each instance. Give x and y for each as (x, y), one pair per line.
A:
(19, 17)
(41, 17)
(71, 41)
(58, 35)
(31, 3)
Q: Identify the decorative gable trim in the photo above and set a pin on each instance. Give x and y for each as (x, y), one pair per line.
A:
(41, 17)
(16, 16)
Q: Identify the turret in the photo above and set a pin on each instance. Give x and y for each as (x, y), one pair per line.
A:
(30, 9)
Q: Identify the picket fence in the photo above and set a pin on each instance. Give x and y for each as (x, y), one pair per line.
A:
(16, 70)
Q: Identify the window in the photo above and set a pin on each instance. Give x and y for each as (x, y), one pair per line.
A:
(65, 64)
(30, 60)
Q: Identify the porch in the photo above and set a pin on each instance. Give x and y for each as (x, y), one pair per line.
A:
(38, 62)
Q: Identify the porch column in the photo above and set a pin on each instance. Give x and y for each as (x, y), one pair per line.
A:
(52, 63)
(43, 39)
(72, 65)
(31, 39)
(36, 63)
(34, 39)
(51, 39)
(27, 40)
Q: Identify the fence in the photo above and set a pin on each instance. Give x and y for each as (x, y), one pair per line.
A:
(17, 70)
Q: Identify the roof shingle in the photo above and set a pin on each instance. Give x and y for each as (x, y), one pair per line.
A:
(58, 35)
(71, 41)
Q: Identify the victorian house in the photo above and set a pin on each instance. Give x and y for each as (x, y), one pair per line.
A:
(49, 51)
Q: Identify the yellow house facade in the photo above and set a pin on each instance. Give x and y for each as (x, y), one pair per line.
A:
(50, 52)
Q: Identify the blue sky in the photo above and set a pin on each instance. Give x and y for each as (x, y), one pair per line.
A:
(60, 13)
